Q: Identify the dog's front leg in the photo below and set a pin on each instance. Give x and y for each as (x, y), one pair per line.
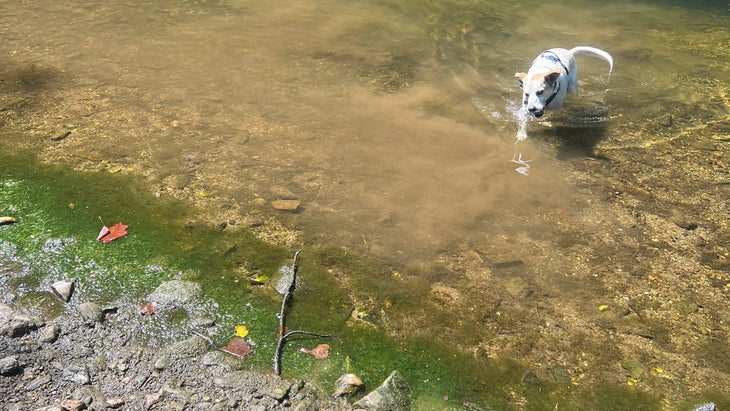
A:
(522, 130)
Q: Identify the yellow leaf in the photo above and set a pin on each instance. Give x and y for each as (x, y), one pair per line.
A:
(602, 307)
(241, 331)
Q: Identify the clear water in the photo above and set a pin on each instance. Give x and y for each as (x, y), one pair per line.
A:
(393, 122)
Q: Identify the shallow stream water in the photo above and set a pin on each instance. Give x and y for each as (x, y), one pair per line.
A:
(393, 122)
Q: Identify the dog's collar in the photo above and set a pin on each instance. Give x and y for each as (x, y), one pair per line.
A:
(552, 96)
(550, 55)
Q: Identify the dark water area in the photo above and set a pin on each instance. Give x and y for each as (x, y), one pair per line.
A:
(394, 123)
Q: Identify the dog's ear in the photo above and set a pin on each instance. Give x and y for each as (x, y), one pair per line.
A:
(552, 76)
(520, 77)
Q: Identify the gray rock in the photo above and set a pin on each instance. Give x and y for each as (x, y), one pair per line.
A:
(190, 347)
(392, 395)
(76, 374)
(9, 365)
(50, 408)
(175, 292)
(49, 334)
(37, 382)
(91, 312)
(21, 325)
(63, 289)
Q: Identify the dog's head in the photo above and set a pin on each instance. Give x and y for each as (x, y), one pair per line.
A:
(538, 90)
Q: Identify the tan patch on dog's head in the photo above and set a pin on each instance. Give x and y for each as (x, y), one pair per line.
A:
(550, 77)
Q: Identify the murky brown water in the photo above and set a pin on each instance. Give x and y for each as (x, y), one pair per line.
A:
(393, 123)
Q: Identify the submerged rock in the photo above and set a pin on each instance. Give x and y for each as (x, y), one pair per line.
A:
(286, 205)
(175, 292)
(392, 395)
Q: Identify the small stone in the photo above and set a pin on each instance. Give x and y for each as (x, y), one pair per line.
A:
(286, 205)
(91, 312)
(50, 408)
(49, 334)
(152, 399)
(76, 374)
(114, 402)
(63, 289)
(9, 365)
(162, 362)
(73, 405)
(347, 385)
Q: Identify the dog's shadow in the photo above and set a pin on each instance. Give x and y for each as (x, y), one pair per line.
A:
(576, 132)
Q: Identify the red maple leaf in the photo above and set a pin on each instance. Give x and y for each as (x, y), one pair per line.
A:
(116, 231)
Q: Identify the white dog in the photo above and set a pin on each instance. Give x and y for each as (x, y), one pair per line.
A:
(551, 76)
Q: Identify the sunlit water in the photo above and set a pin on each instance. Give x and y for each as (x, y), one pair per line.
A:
(394, 123)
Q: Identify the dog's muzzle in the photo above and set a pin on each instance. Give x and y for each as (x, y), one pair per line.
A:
(536, 112)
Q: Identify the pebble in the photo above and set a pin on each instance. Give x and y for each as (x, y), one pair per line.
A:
(37, 383)
(114, 402)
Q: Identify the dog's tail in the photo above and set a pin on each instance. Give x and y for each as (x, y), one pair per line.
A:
(595, 53)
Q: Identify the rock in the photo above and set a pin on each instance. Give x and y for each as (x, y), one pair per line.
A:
(347, 385)
(175, 292)
(63, 289)
(286, 205)
(190, 347)
(91, 312)
(72, 405)
(76, 374)
(37, 382)
(50, 408)
(9, 365)
(90, 395)
(20, 325)
(49, 334)
(393, 395)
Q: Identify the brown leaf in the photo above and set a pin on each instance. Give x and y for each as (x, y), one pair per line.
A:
(319, 352)
(237, 347)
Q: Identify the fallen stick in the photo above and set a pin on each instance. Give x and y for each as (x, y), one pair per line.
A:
(282, 317)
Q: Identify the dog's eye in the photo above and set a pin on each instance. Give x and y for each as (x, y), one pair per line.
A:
(539, 92)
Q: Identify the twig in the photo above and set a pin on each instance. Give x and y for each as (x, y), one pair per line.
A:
(282, 317)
